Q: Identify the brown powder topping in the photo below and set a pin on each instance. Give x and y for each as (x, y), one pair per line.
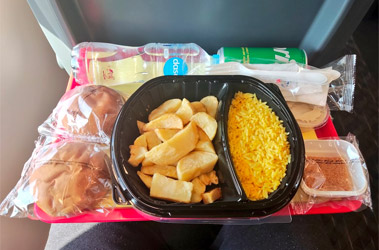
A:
(327, 174)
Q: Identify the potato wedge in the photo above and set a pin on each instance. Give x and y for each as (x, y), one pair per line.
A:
(207, 123)
(146, 179)
(185, 112)
(165, 134)
(166, 188)
(140, 126)
(137, 154)
(209, 178)
(198, 107)
(206, 146)
(211, 104)
(141, 141)
(169, 106)
(169, 121)
(202, 135)
(146, 162)
(194, 164)
(169, 171)
(152, 140)
(169, 152)
(197, 191)
(211, 196)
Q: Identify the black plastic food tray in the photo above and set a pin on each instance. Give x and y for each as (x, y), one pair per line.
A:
(234, 202)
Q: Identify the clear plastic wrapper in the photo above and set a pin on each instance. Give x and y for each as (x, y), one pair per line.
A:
(68, 171)
(335, 175)
(85, 113)
(298, 83)
(126, 68)
(65, 178)
(341, 90)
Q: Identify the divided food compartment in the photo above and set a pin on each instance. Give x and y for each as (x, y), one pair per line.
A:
(234, 203)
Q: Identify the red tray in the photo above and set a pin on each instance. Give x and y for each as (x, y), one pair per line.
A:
(131, 214)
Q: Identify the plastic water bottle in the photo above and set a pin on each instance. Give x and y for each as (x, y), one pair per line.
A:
(126, 68)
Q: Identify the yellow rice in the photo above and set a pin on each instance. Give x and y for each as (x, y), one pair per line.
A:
(258, 143)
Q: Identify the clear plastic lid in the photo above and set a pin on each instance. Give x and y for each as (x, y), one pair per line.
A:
(309, 116)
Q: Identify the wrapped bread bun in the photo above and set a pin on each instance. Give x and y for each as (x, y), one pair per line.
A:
(70, 178)
(89, 111)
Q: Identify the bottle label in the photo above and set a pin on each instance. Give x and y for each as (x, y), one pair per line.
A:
(175, 66)
(264, 55)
